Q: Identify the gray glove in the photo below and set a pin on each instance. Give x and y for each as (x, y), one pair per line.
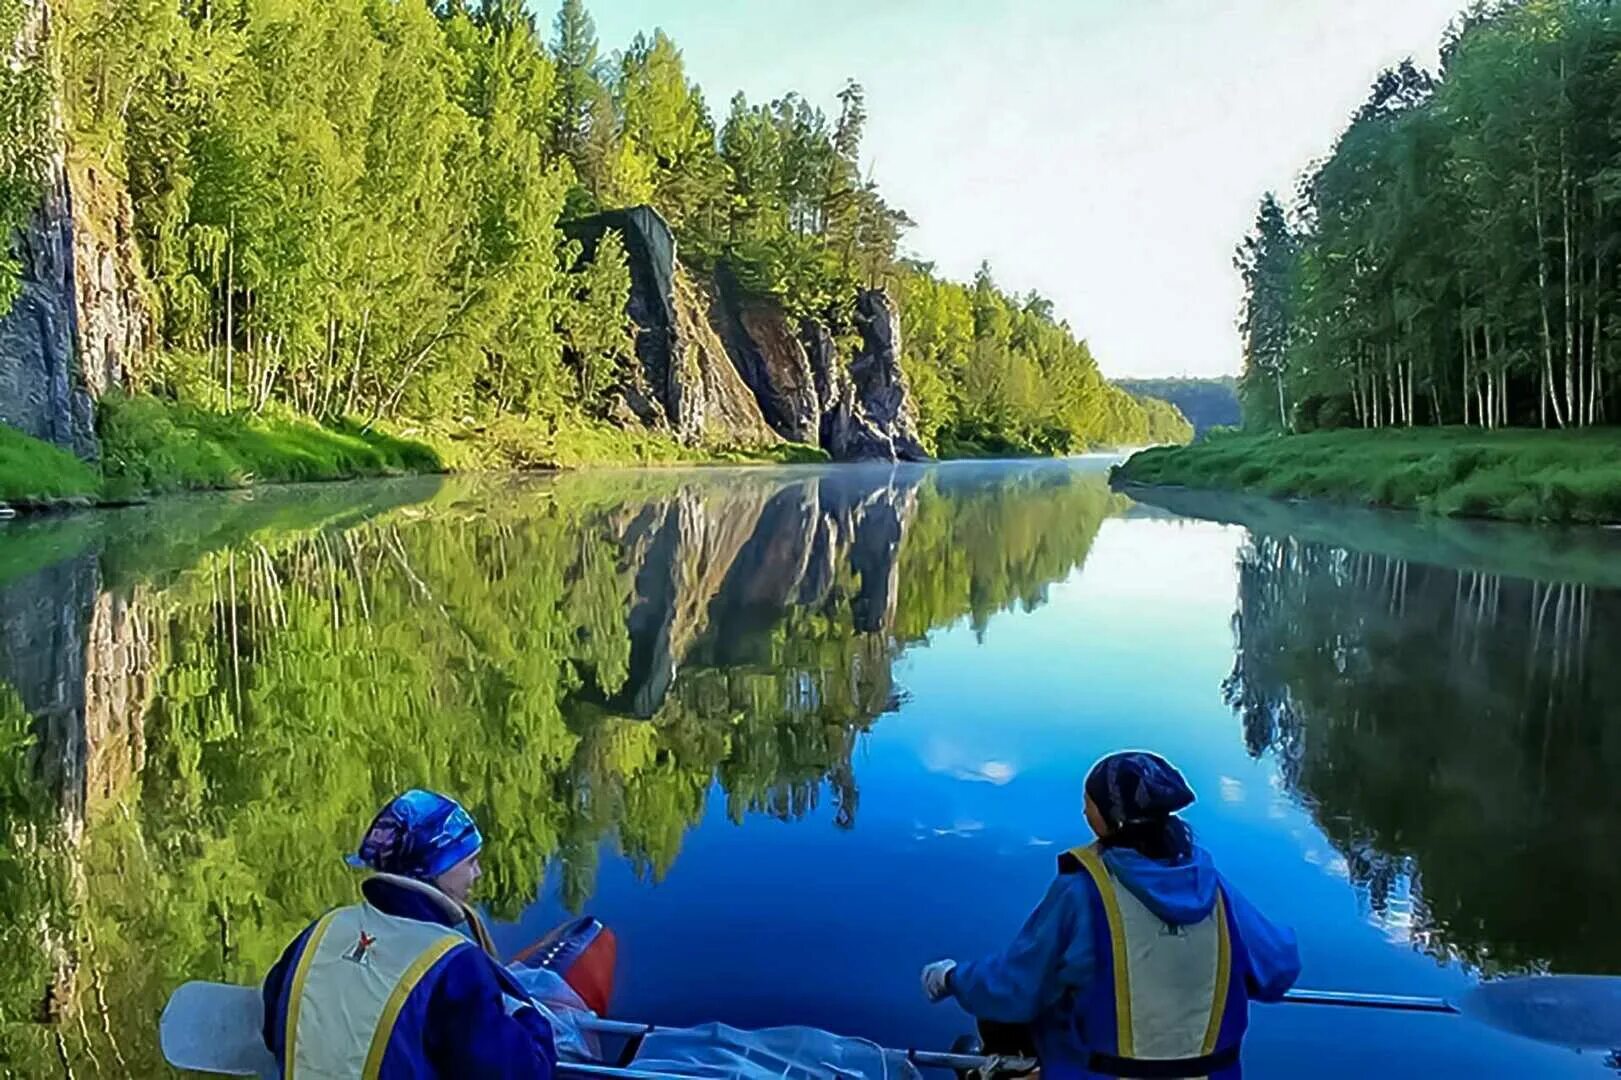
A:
(937, 980)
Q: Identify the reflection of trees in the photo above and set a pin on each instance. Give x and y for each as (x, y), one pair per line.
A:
(185, 758)
(1454, 733)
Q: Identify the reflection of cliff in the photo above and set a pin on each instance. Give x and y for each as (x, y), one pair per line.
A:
(75, 660)
(1455, 735)
(725, 565)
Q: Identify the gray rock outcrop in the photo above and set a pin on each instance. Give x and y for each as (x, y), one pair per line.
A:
(716, 364)
(763, 344)
(683, 380)
(77, 322)
(869, 416)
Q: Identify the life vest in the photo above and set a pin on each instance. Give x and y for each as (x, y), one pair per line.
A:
(1164, 1003)
(352, 980)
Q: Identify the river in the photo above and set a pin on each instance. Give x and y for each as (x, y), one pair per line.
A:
(793, 733)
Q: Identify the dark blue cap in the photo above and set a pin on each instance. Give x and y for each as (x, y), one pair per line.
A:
(1135, 786)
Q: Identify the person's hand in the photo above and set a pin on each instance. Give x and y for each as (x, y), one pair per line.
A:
(937, 979)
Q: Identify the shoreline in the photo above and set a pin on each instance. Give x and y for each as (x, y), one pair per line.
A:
(1530, 477)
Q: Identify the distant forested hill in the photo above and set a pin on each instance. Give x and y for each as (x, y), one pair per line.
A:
(1207, 403)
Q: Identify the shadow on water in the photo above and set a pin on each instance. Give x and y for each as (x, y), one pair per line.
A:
(1439, 695)
(202, 700)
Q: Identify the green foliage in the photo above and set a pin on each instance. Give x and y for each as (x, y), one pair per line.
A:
(601, 337)
(992, 375)
(33, 472)
(352, 209)
(1519, 476)
(1451, 262)
(152, 446)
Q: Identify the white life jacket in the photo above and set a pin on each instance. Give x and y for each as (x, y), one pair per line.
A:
(1171, 983)
(352, 979)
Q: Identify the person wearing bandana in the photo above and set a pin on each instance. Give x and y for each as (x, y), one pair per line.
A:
(1141, 960)
(405, 983)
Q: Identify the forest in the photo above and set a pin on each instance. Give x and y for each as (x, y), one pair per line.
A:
(1206, 403)
(1453, 259)
(352, 211)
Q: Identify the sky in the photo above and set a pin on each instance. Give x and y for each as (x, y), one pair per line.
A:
(1107, 153)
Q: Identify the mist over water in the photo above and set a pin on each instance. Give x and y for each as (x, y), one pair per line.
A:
(793, 733)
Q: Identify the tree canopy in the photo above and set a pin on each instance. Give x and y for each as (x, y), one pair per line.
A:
(354, 209)
(1452, 260)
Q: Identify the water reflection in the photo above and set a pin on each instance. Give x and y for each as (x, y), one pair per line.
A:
(1454, 733)
(199, 700)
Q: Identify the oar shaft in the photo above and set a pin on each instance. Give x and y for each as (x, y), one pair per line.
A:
(1397, 1002)
(582, 1072)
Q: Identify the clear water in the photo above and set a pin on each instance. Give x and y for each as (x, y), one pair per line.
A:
(794, 733)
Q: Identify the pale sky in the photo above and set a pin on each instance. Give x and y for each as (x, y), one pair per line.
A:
(1107, 153)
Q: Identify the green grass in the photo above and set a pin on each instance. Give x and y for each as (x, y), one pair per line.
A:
(149, 446)
(518, 443)
(1514, 475)
(34, 473)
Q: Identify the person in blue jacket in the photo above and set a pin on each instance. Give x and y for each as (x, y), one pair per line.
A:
(404, 984)
(1142, 959)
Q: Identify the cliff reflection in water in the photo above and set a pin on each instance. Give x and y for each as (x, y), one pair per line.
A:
(202, 702)
(1454, 734)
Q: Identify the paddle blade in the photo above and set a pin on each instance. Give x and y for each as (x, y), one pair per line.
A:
(1582, 1012)
(215, 1028)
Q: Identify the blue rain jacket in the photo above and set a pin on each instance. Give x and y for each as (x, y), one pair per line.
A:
(1049, 976)
(454, 1023)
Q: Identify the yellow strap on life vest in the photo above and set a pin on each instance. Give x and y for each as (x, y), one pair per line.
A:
(396, 1001)
(295, 996)
(1089, 858)
(1224, 974)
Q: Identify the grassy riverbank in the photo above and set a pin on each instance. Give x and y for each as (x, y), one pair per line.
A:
(1514, 475)
(154, 447)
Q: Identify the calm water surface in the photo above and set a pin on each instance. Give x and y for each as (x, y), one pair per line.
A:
(795, 733)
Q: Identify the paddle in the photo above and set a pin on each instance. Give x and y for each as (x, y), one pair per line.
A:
(1581, 1012)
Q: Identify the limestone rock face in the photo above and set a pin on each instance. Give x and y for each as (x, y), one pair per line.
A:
(715, 364)
(78, 321)
(114, 326)
(729, 411)
(766, 350)
(683, 381)
(41, 392)
(870, 417)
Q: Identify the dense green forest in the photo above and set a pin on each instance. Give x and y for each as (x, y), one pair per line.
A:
(1205, 403)
(1453, 260)
(508, 643)
(351, 211)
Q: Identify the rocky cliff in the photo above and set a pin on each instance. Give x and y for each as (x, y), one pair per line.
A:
(717, 364)
(683, 381)
(78, 320)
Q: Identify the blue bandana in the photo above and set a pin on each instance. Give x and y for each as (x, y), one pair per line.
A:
(1135, 786)
(420, 834)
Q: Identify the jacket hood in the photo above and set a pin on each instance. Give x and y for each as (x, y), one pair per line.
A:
(1179, 893)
